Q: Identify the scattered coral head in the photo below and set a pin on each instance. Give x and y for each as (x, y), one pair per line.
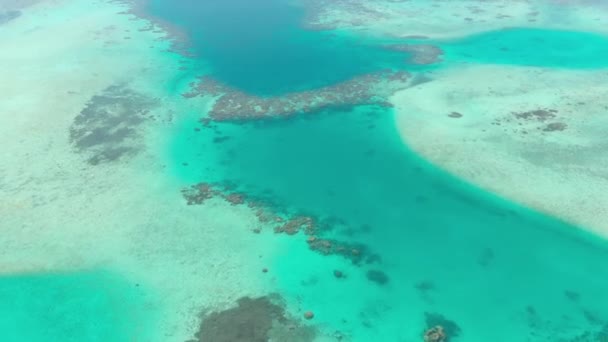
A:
(435, 334)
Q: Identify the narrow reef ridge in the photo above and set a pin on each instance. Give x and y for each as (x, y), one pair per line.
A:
(232, 104)
(282, 221)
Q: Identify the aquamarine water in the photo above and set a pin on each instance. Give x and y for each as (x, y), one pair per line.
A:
(531, 47)
(500, 271)
(73, 306)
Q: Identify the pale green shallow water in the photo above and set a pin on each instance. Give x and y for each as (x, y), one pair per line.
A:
(501, 272)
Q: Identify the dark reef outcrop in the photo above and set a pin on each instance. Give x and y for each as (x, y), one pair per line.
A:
(107, 129)
(253, 320)
(233, 105)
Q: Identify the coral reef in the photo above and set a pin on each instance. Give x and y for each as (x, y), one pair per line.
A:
(232, 104)
(107, 128)
(537, 119)
(450, 328)
(282, 222)
(540, 114)
(377, 277)
(253, 320)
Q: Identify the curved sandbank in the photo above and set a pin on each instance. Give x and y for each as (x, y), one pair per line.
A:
(533, 135)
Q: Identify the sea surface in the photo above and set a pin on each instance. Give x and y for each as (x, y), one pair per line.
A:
(437, 250)
(498, 271)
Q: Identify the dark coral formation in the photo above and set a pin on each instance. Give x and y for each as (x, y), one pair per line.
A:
(283, 222)
(600, 335)
(198, 193)
(540, 114)
(377, 277)
(253, 320)
(356, 253)
(450, 328)
(419, 54)
(455, 115)
(107, 128)
(540, 119)
(555, 126)
(231, 104)
(297, 224)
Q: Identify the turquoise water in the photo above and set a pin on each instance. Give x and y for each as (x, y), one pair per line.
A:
(480, 254)
(531, 47)
(79, 306)
(500, 271)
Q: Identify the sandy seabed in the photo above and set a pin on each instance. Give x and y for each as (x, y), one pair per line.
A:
(533, 135)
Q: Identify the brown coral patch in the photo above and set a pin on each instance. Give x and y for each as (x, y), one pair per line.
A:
(282, 222)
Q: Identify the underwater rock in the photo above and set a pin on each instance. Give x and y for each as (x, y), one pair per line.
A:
(235, 199)
(107, 128)
(377, 277)
(435, 334)
(233, 105)
(309, 315)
